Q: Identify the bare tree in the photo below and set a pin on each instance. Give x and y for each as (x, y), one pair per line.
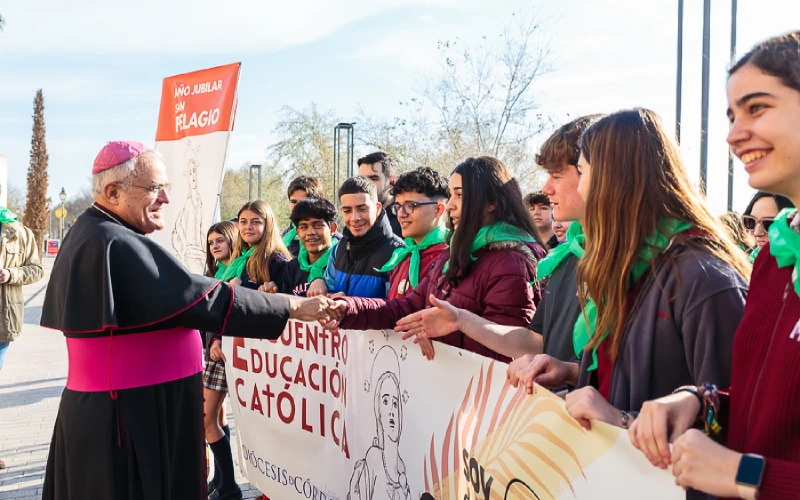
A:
(483, 98)
(76, 204)
(235, 189)
(16, 199)
(36, 205)
(306, 142)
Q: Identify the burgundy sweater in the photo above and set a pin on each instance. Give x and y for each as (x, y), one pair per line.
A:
(399, 284)
(764, 416)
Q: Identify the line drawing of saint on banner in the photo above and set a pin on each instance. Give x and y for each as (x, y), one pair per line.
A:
(381, 474)
(187, 235)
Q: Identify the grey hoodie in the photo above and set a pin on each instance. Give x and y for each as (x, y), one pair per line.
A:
(680, 330)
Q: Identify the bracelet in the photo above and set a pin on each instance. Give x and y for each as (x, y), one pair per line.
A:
(625, 419)
(708, 396)
(692, 390)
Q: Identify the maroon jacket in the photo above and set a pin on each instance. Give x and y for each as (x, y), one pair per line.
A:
(764, 416)
(497, 288)
(399, 285)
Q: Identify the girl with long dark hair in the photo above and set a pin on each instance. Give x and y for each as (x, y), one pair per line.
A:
(488, 268)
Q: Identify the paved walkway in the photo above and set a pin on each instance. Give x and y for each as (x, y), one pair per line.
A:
(31, 381)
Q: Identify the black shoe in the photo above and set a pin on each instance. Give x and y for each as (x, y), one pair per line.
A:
(232, 494)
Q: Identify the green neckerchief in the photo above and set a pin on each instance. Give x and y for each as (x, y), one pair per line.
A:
(235, 268)
(290, 236)
(655, 244)
(574, 245)
(784, 244)
(494, 233)
(754, 254)
(317, 269)
(7, 215)
(220, 270)
(434, 237)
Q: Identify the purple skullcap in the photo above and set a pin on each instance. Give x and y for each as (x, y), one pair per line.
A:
(115, 153)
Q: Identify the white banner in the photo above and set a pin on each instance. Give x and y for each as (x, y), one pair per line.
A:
(364, 416)
(195, 120)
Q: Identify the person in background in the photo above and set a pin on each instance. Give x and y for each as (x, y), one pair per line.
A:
(550, 331)
(491, 260)
(19, 265)
(542, 216)
(220, 238)
(366, 245)
(759, 215)
(420, 197)
(299, 189)
(379, 168)
(732, 222)
(315, 220)
(758, 413)
(560, 229)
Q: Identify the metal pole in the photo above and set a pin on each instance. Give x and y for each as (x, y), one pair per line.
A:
(704, 98)
(250, 188)
(259, 181)
(733, 61)
(679, 77)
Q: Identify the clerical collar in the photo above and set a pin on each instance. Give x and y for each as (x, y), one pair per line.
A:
(108, 213)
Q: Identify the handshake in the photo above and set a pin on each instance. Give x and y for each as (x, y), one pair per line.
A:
(328, 310)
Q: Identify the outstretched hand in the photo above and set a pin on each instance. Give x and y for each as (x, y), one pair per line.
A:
(431, 323)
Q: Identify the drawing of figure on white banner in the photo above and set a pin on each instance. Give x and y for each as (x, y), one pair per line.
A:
(381, 474)
(187, 236)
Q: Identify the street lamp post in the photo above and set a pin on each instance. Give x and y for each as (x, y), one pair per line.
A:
(49, 208)
(254, 169)
(63, 197)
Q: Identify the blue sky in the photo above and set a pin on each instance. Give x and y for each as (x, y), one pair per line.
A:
(101, 65)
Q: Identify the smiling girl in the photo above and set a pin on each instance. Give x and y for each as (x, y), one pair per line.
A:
(759, 412)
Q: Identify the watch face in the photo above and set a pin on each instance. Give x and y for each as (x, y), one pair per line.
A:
(750, 469)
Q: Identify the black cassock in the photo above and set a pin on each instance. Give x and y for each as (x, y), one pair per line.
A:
(143, 441)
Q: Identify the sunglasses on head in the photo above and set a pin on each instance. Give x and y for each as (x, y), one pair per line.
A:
(749, 222)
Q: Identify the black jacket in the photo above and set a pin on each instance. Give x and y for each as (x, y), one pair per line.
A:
(355, 261)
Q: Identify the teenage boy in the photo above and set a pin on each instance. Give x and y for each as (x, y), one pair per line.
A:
(542, 216)
(315, 222)
(419, 204)
(378, 168)
(559, 308)
(299, 189)
(366, 245)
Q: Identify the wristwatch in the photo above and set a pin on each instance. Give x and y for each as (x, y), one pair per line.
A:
(748, 477)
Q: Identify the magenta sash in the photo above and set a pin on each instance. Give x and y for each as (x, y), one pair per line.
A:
(133, 360)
